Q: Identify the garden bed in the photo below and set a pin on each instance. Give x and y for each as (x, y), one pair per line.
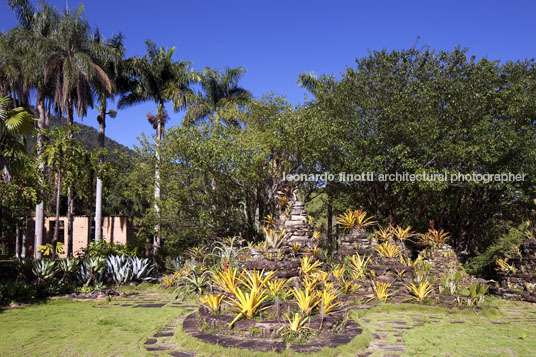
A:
(266, 335)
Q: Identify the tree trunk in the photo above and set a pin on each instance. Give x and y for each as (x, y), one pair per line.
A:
(158, 143)
(330, 223)
(42, 124)
(70, 199)
(57, 219)
(24, 239)
(17, 241)
(98, 195)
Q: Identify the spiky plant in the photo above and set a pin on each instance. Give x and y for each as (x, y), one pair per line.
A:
(384, 234)
(358, 265)
(247, 304)
(388, 250)
(381, 291)
(295, 324)
(326, 302)
(278, 288)
(274, 238)
(403, 233)
(256, 280)
(307, 299)
(307, 266)
(421, 291)
(227, 279)
(212, 301)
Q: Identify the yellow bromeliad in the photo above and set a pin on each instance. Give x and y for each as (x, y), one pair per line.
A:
(421, 291)
(326, 302)
(295, 323)
(389, 250)
(227, 279)
(256, 279)
(277, 287)
(358, 265)
(307, 299)
(380, 291)
(308, 266)
(212, 301)
(247, 303)
(402, 234)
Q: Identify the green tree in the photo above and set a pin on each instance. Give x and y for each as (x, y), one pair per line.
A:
(112, 65)
(157, 77)
(73, 66)
(30, 50)
(219, 91)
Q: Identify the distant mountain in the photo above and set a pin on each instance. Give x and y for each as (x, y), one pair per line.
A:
(88, 137)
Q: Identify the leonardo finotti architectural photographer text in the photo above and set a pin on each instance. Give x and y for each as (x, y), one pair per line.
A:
(405, 177)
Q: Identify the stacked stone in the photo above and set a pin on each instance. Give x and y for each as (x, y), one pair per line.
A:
(442, 258)
(525, 276)
(356, 242)
(296, 227)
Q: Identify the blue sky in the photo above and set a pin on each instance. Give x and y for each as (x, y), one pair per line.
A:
(277, 40)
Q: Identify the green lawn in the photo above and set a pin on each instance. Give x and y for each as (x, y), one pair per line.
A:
(63, 327)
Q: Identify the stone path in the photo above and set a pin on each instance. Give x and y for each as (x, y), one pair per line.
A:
(387, 332)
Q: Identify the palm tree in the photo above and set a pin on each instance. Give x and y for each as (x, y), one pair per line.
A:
(15, 125)
(156, 77)
(220, 90)
(32, 35)
(73, 69)
(113, 51)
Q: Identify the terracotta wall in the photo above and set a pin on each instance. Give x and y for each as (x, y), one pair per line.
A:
(116, 229)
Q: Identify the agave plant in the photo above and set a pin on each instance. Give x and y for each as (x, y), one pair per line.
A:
(174, 264)
(141, 268)
(195, 282)
(119, 268)
(69, 267)
(227, 252)
(44, 269)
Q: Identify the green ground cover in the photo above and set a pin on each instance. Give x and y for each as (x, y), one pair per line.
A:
(63, 327)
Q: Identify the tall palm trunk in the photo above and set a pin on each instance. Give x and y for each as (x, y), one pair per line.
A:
(98, 195)
(70, 200)
(159, 135)
(24, 242)
(42, 123)
(57, 218)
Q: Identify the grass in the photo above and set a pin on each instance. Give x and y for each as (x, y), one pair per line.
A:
(63, 327)
(442, 335)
